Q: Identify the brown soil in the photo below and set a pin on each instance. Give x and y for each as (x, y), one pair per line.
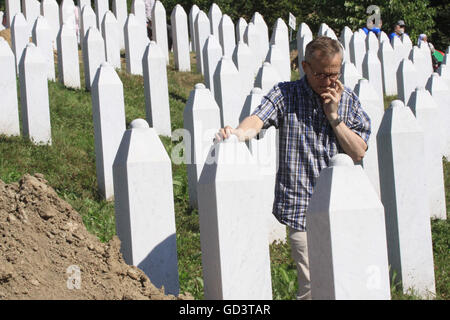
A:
(6, 34)
(41, 236)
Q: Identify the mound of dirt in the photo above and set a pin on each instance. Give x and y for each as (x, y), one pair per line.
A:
(6, 34)
(47, 253)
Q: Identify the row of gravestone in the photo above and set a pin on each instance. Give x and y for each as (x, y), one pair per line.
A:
(205, 234)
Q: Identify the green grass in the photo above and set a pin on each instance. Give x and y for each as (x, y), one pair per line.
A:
(69, 166)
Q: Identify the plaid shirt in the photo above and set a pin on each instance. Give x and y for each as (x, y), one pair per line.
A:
(306, 142)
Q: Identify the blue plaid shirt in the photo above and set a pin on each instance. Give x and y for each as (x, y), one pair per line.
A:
(306, 142)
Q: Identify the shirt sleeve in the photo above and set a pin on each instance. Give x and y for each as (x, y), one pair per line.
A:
(359, 121)
(271, 108)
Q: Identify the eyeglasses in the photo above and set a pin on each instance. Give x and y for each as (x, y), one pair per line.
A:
(323, 76)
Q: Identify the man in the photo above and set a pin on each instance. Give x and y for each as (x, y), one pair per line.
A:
(149, 4)
(399, 29)
(317, 117)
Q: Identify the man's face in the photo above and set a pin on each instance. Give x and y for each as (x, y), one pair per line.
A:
(399, 29)
(322, 72)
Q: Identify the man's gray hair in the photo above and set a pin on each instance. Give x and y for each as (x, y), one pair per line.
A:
(325, 46)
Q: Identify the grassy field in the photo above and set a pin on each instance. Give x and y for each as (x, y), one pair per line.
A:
(69, 166)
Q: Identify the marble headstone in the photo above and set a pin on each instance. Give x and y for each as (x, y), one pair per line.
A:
(401, 156)
(346, 239)
(144, 207)
(235, 252)
(180, 38)
(35, 108)
(93, 55)
(68, 60)
(108, 112)
(9, 121)
(159, 28)
(156, 90)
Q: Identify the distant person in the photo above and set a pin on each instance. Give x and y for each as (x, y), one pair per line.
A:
(436, 64)
(399, 29)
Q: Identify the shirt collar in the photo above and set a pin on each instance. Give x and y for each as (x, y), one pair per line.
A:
(310, 93)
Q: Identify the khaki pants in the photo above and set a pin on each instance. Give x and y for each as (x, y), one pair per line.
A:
(299, 252)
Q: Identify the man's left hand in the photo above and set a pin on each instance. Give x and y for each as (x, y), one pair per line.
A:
(331, 100)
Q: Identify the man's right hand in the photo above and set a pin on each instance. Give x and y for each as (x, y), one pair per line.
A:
(224, 133)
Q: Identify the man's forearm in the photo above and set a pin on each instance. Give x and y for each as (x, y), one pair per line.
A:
(352, 143)
(248, 128)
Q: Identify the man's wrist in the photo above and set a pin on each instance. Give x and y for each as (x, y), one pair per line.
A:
(334, 121)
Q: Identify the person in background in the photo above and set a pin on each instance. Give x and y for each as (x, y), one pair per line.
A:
(436, 64)
(399, 29)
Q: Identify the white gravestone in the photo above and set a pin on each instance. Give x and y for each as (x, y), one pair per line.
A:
(426, 111)
(227, 37)
(441, 94)
(121, 13)
(346, 239)
(227, 92)
(280, 38)
(406, 42)
(136, 41)
(387, 59)
(50, 10)
(9, 121)
(108, 112)
(159, 28)
(138, 9)
(214, 15)
(344, 39)
(101, 8)
(404, 195)
(180, 39)
(264, 150)
(243, 60)
(12, 7)
(144, 207)
(111, 30)
(93, 55)
(407, 80)
(156, 90)
(88, 19)
(192, 16)
(399, 52)
(202, 31)
(35, 108)
(67, 12)
(212, 53)
(303, 29)
(241, 25)
(42, 38)
(267, 77)
(350, 75)
(235, 252)
(330, 34)
(444, 73)
(31, 10)
(68, 60)
(277, 60)
(382, 37)
(201, 119)
(419, 60)
(372, 42)
(373, 106)
(302, 43)
(372, 71)
(357, 51)
(322, 29)
(2, 27)
(19, 37)
(251, 38)
(263, 34)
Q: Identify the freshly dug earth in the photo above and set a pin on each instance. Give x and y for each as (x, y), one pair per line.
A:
(43, 243)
